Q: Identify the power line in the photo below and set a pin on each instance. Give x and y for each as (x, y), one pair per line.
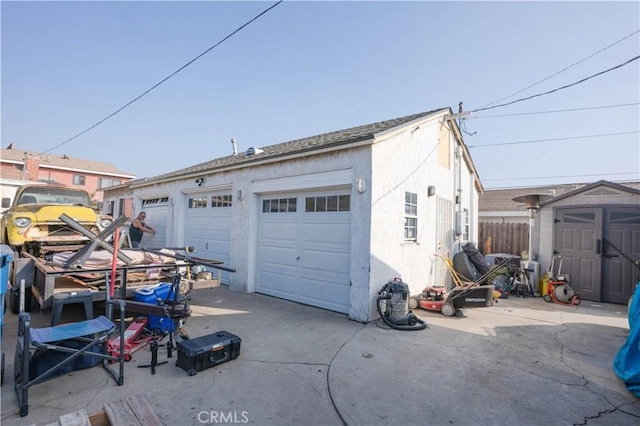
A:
(560, 88)
(556, 111)
(564, 69)
(165, 79)
(553, 139)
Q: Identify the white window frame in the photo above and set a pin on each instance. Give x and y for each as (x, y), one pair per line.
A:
(410, 216)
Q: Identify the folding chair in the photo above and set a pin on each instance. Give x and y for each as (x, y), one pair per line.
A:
(85, 335)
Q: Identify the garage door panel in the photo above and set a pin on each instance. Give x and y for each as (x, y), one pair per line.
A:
(327, 233)
(325, 294)
(274, 255)
(278, 231)
(324, 261)
(208, 228)
(157, 219)
(276, 283)
(315, 245)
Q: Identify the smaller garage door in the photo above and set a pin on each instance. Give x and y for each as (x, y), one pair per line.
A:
(208, 227)
(157, 217)
(304, 250)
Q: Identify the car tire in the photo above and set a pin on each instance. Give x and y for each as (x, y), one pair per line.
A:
(463, 266)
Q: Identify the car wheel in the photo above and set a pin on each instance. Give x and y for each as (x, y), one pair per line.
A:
(463, 266)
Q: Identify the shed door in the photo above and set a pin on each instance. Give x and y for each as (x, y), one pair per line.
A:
(577, 232)
(157, 210)
(304, 250)
(599, 246)
(621, 249)
(208, 227)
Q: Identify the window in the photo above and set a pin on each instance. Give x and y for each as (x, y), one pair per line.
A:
(221, 201)
(78, 179)
(280, 205)
(328, 203)
(465, 224)
(410, 216)
(107, 182)
(198, 203)
(109, 208)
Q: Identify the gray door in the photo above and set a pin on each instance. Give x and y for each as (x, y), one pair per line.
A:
(599, 246)
(577, 233)
(621, 249)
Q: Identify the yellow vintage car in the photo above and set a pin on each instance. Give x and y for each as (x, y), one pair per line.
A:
(32, 223)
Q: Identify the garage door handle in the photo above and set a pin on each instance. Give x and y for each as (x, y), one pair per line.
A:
(598, 246)
(298, 258)
(206, 245)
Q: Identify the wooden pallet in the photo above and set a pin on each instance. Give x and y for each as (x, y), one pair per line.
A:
(134, 410)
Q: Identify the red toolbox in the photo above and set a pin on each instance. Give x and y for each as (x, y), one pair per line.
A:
(207, 351)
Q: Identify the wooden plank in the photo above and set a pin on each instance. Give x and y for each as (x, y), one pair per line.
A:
(144, 411)
(77, 418)
(120, 413)
(99, 419)
(198, 284)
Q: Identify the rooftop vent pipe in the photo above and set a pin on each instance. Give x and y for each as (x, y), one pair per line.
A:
(235, 147)
(253, 151)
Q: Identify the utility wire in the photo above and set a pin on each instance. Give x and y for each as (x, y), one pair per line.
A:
(560, 88)
(555, 111)
(553, 139)
(164, 79)
(564, 69)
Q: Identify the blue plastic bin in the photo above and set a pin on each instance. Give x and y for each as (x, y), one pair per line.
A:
(7, 260)
(153, 295)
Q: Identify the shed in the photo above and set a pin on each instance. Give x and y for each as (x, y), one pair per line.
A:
(595, 230)
(324, 220)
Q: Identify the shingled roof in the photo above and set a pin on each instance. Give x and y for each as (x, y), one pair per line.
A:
(501, 200)
(340, 138)
(16, 155)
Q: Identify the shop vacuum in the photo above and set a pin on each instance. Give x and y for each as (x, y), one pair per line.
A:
(393, 307)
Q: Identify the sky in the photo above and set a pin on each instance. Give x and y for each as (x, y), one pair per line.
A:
(305, 68)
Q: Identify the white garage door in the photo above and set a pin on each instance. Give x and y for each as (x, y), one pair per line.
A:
(304, 251)
(208, 228)
(157, 216)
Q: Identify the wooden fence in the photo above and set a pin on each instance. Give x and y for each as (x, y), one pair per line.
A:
(512, 238)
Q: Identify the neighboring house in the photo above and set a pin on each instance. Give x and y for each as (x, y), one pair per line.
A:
(580, 222)
(325, 220)
(92, 176)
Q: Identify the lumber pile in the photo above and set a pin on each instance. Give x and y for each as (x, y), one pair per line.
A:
(133, 410)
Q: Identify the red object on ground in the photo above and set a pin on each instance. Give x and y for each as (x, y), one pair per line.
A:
(132, 343)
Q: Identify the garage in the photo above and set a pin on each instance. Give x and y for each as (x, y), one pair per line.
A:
(304, 253)
(208, 227)
(157, 217)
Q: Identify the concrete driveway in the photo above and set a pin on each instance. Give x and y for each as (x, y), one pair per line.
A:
(520, 362)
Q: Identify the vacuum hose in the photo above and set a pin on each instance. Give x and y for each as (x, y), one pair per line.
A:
(395, 295)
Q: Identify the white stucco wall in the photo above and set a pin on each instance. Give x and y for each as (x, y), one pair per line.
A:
(409, 161)
(289, 176)
(399, 161)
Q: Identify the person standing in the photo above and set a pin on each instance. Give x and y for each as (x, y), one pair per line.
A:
(138, 228)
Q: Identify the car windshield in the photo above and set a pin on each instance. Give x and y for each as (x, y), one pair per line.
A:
(64, 196)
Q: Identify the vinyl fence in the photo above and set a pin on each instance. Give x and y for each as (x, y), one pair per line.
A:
(512, 238)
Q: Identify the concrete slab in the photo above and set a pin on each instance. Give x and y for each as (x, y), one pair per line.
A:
(522, 361)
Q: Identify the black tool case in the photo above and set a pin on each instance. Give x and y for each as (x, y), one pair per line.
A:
(207, 351)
